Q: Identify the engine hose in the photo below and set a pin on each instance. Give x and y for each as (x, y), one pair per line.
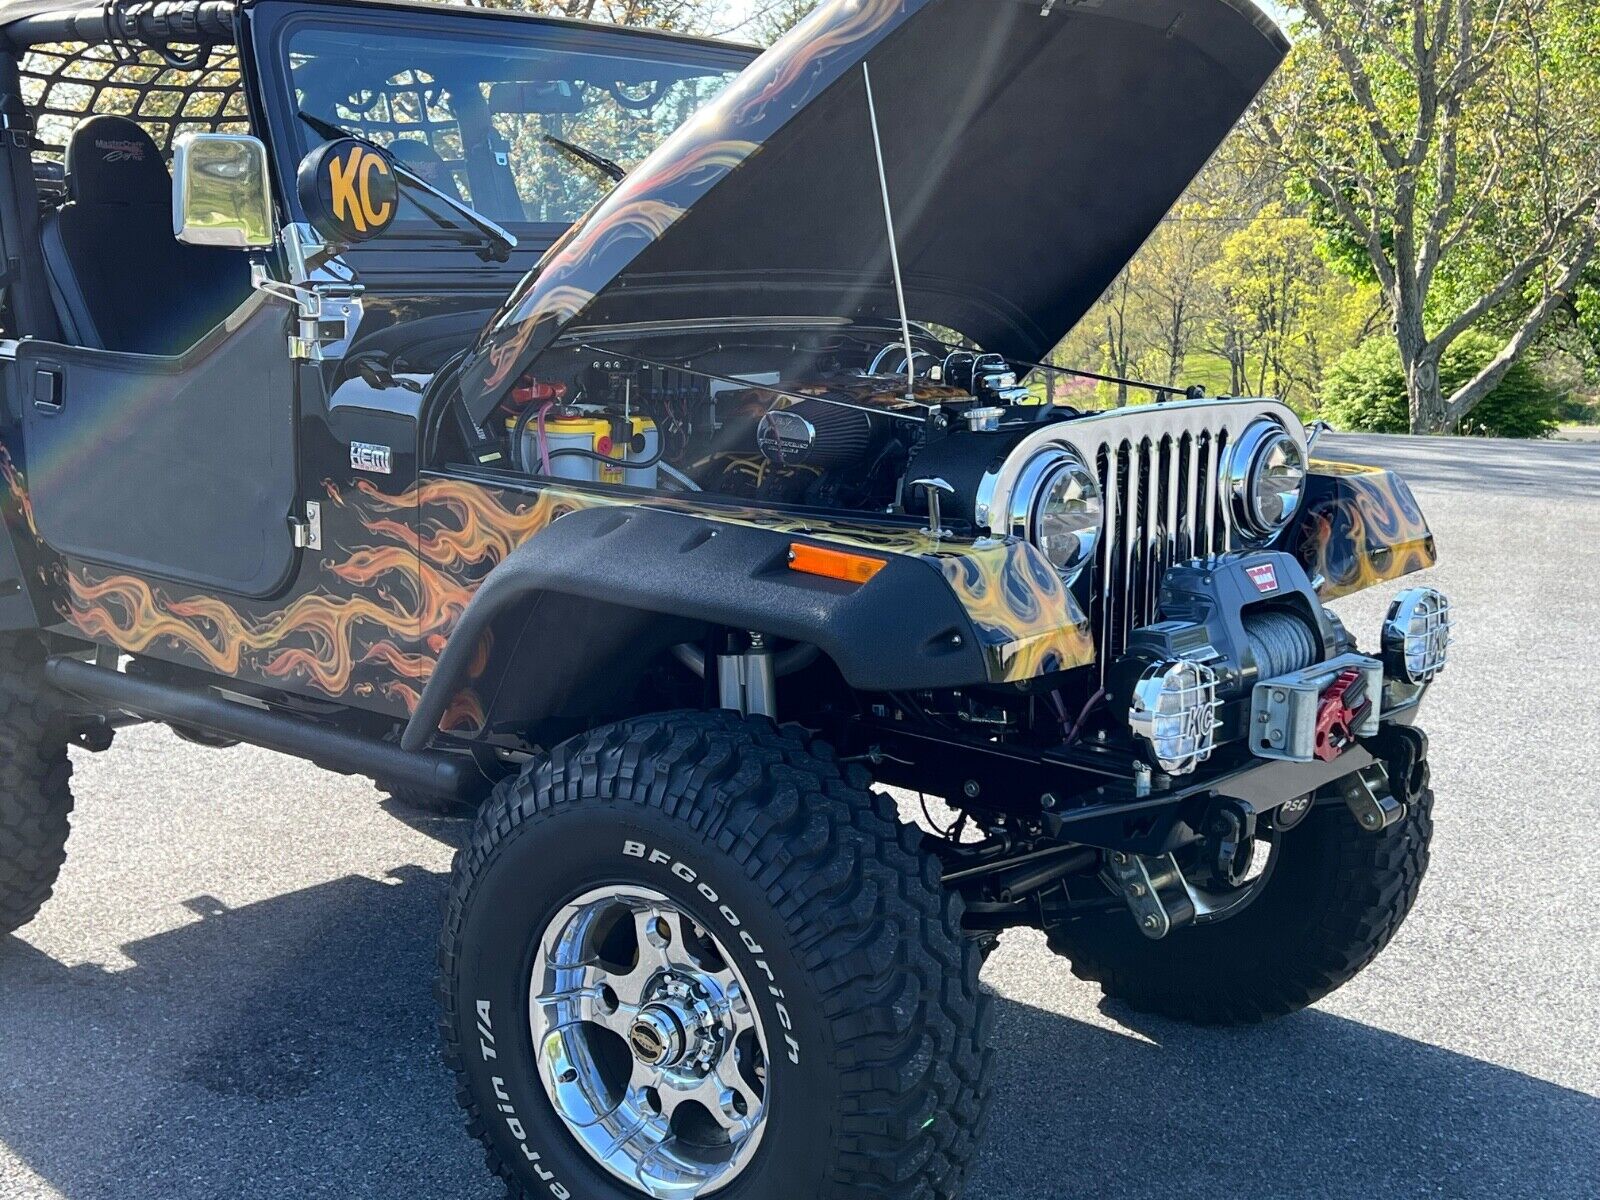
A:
(1281, 642)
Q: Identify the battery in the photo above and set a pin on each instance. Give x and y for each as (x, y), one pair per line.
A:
(596, 433)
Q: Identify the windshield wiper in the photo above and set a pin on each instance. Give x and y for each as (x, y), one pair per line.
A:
(607, 166)
(498, 243)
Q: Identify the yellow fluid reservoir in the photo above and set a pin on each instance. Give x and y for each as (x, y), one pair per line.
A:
(595, 433)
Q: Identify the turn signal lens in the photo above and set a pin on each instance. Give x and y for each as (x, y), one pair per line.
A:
(833, 564)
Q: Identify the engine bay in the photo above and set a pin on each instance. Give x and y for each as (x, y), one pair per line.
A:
(816, 418)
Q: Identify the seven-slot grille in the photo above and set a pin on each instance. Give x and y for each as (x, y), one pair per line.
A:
(1163, 504)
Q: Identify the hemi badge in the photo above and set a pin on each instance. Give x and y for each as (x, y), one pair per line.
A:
(364, 456)
(1264, 576)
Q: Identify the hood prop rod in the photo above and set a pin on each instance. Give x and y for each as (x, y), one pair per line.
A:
(894, 251)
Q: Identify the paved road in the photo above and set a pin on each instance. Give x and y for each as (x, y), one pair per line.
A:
(230, 995)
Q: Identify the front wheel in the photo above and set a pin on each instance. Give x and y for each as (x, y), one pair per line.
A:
(692, 954)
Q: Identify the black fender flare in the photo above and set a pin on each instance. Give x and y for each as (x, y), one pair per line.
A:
(902, 629)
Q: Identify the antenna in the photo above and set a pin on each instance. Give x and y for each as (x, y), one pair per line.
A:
(894, 252)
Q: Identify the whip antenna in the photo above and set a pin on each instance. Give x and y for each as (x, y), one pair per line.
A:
(894, 253)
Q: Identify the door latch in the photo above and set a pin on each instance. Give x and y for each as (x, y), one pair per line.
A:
(47, 389)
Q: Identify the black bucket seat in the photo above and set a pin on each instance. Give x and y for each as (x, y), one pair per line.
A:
(119, 278)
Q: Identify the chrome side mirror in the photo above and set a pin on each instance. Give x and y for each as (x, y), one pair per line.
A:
(221, 191)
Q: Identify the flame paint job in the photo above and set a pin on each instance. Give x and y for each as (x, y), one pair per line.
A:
(400, 570)
(1029, 622)
(697, 156)
(1360, 526)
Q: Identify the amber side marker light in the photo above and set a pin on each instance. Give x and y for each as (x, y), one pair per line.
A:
(833, 564)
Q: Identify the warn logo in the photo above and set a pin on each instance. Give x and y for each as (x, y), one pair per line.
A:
(1264, 576)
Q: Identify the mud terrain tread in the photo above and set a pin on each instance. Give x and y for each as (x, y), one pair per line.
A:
(868, 914)
(35, 784)
(1374, 883)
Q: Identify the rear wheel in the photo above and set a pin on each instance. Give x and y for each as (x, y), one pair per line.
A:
(692, 954)
(1335, 897)
(35, 792)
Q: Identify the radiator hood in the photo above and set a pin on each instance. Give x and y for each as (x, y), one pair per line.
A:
(1029, 153)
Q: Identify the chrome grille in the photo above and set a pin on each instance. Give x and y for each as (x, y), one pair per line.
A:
(1161, 471)
(1164, 504)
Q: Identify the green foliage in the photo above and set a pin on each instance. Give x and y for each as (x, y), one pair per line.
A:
(1365, 390)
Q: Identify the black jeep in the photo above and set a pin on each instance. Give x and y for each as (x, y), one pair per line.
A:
(645, 442)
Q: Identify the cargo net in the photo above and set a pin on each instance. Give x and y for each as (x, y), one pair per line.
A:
(63, 84)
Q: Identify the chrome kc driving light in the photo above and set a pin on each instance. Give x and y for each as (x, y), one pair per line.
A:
(1175, 712)
(1416, 634)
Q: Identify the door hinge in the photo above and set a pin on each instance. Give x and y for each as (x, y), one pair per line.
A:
(308, 529)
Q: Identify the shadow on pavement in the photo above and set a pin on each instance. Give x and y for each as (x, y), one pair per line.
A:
(287, 1049)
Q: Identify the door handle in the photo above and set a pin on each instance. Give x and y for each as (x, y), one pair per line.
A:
(47, 390)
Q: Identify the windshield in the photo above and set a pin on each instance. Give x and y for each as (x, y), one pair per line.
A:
(475, 115)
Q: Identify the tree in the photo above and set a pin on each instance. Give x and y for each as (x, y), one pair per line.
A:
(1449, 146)
(1365, 390)
(1281, 314)
(771, 19)
(688, 16)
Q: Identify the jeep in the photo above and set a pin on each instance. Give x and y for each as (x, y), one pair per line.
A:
(645, 443)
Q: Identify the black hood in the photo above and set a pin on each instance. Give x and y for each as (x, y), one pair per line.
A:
(1029, 155)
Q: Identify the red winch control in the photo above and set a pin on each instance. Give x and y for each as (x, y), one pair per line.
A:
(1340, 711)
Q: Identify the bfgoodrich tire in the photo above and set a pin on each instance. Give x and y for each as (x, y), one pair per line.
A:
(1336, 896)
(782, 867)
(35, 792)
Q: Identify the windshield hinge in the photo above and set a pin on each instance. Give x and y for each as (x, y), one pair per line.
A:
(328, 313)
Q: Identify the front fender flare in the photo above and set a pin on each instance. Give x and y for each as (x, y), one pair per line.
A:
(904, 629)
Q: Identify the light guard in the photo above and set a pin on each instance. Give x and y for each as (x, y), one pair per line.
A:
(1416, 634)
(1175, 712)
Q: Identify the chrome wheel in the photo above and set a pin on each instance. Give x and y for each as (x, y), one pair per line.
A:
(647, 1043)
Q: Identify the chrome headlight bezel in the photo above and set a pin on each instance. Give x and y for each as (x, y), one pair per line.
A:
(1250, 459)
(1041, 477)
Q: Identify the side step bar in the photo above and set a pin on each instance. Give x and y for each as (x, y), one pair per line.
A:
(346, 753)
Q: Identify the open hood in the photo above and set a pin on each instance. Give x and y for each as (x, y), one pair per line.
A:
(1029, 152)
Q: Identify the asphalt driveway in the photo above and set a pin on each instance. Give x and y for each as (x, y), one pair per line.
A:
(230, 994)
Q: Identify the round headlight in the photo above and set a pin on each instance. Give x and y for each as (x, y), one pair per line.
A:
(1267, 474)
(1056, 506)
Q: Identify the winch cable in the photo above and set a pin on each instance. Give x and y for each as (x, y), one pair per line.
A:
(1281, 641)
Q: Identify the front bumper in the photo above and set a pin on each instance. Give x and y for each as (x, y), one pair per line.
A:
(1307, 732)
